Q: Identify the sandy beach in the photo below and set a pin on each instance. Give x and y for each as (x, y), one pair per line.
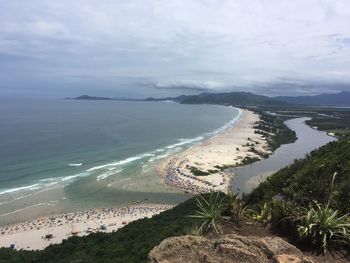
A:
(200, 168)
(41, 232)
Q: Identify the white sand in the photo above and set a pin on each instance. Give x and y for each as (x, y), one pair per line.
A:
(30, 235)
(227, 149)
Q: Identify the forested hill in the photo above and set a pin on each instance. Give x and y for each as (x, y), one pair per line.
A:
(310, 178)
(250, 99)
(338, 99)
(227, 98)
(245, 99)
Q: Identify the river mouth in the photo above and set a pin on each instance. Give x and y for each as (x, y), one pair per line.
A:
(248, 177)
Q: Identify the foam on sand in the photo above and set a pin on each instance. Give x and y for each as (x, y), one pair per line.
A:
(21, 188)
(107, 174)
(75, 164)
(122, 162)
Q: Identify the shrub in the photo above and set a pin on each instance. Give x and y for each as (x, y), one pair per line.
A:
(324, 226)
(236, 208)
(210, 211)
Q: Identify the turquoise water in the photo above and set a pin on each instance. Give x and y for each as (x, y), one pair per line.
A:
(94, 153)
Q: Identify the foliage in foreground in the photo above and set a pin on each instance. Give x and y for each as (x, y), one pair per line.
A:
(310, 198)
(236, 208)
(319, 225)
(215, 209)
(210, 211)
(293, 201)
(323, 227)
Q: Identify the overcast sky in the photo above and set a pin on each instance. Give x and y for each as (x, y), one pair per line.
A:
(149, 47)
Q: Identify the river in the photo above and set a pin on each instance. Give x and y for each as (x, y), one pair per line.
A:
(249, 176)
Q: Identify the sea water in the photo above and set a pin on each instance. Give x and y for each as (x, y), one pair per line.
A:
(61, 155)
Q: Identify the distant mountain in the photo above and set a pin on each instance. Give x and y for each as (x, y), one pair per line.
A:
(179, 99)
(225, 98)
(87, 97)
(338, 99)
(245, 99)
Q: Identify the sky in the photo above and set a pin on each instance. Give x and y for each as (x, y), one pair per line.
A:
(162, 48)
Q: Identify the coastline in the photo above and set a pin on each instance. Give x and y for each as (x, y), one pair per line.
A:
(227, 148)
(44, 231)
(201, 168)
(112, 174)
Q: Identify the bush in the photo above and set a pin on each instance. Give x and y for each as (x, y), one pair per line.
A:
(210, 211)
(324, 226)
(236, 208)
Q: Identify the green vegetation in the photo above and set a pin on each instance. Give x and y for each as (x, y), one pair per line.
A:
(335, 120)
(260, 154)
(223, 167)
(231, 98)
(197, 172)
(310, 179)
(310, 199)
(236, 208)
(323, 226)
(210, 211)
(273, 128)
(249, 160)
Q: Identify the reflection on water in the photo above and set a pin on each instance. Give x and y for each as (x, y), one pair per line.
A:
(248, 177)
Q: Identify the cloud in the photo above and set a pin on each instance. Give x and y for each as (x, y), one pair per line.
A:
(188, 86)
(180, 45)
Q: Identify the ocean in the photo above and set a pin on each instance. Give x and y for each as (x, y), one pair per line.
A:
(61, 155)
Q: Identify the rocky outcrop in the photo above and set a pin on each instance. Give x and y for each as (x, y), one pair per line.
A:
(226, 248)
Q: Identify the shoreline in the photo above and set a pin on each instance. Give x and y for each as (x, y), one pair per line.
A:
(42, 232)
(112, 178)
(201, 168)
(223, 150)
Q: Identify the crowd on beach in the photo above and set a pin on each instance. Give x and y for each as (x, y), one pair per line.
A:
(97, 216)
(200, 168)
(178, 175)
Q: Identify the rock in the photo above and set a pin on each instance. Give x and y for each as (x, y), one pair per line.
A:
(291, 259)
(226, 248)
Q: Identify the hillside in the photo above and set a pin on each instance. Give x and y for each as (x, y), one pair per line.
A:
(226, 98)
(87, 97)
(337, 99)
(232, 98)
(245, 99)
(310, 178)
(250, 99)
